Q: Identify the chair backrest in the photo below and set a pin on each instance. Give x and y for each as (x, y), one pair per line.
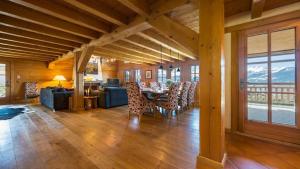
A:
(134, 97)
(184, 93)
(31, 89)
(154, 85)
(191, 95)
(173, 96)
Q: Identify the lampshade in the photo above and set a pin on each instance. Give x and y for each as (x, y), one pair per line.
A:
(59, 78)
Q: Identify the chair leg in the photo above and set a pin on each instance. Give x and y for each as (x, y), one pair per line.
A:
(140, 117)
(128, 115)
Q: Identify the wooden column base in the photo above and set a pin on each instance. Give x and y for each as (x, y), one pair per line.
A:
(206, 163)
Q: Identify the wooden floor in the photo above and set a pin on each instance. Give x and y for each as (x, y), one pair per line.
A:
(105, 139)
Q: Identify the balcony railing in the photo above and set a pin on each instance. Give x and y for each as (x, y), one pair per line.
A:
(282, 93)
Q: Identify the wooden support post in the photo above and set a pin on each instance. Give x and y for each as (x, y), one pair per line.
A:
(212, 99)
(78, 104)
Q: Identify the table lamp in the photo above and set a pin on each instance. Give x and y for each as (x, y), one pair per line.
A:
(59, 78)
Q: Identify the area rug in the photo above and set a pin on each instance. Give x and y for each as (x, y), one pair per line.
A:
(10, 112)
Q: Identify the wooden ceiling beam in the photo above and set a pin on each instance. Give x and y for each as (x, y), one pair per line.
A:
(116, 51)
(25, 57)
(141, 42)
(161, 40)
(47, 40)
(13, 49)
(137, 25)
(161, 7)
(18, 11)
(30, 46)
(141, 7)
(119, 57)
(30, 50)
(141, 51)
(181, 35)
(84, 58)
(59, 11)
(101, 10)
(24, 54)
(257, 8)
(32, 42)
(31, 27)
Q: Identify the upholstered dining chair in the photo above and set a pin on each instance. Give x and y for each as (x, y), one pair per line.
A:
(170, 102)
(191, 94)
(183, 96)
(137, 102)
(31, 90)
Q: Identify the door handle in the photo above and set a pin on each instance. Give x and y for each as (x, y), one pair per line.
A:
(242, 84)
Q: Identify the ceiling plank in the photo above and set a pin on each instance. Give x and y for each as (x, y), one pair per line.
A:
(29, 15)
(101, 10)
(30, 50)
(183, 36)
(257, 8)
(25, 57)
(24, 54)
(139, 6)
(161, 40)
(32, 42)
(161, 7)
(120, 51)
(20, 24)
(67, 14)
(14, 49)
(141, 51)
(84, 58)
(119, 57)
(141, 42)
(49, 41)
(30, 46)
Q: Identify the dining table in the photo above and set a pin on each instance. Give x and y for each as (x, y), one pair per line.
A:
(154, 95)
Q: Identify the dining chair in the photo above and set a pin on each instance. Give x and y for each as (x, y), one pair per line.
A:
(31, 90)
(191, 94)
(183, 96)
(137, 102)
(170, 103)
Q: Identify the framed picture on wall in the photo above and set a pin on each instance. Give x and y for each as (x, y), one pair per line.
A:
(148, 74)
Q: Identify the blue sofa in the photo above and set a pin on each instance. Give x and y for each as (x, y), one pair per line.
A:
(112, 95)
(55, 98)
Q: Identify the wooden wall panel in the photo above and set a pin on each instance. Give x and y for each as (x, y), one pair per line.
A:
(33, 71)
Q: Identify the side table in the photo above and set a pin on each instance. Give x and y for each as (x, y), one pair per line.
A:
(90, 102)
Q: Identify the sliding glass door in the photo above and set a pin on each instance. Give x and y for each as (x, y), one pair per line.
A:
(268, 82)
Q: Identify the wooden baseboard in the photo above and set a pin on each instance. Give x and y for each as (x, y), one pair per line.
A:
(267, 139)
(206, 163)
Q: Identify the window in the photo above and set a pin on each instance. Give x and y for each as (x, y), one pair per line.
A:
(195, 73)
(175, 74)
(127, 76)
(138, 76)
(162, 76)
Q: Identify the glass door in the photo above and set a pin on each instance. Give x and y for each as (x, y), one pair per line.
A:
(269, 83)
(4, 82)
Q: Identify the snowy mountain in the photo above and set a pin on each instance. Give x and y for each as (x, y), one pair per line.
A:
(279, 75)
